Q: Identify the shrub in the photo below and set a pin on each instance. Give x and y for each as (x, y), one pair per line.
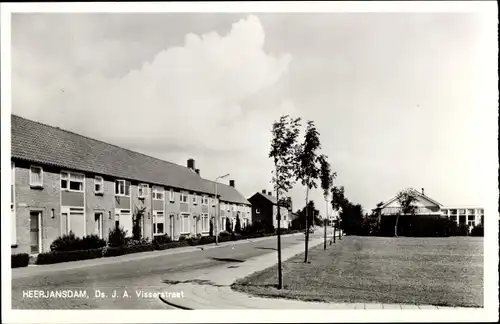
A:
(70, 242)
(477, 230)
(162, 239)
(19, 260)
(237, 226)
(211, 228)
(229, 228)
(129, 241)
(67, 242)
(224, 234)
(66, 256)
(183, 238)
(116, 237)
(207, 240)
(93, 241)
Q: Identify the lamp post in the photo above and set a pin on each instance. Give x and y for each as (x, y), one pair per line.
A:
(216, 227)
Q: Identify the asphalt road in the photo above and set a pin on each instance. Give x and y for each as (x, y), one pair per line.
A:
(131, 284)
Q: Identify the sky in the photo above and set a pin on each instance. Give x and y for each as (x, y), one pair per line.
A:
(398, 98)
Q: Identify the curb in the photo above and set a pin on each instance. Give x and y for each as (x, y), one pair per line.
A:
(312, 243)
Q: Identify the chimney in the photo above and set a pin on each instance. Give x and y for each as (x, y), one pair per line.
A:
(197, 171)
(269, 193)
(190, 164)
(264, 191)
(231, 183)
(423, 191)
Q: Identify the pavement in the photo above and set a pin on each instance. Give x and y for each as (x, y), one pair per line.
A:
(212, 289)
(132, 279)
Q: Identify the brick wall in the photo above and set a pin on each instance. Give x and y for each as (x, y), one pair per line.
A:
(99, 203)
(44, 200)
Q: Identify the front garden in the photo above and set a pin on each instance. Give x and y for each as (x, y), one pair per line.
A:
(71, 248)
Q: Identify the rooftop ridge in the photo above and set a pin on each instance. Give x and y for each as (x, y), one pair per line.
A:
(103, 142)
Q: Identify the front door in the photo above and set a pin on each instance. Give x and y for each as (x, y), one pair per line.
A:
(172, 218)
(35, 238)
(98, 224)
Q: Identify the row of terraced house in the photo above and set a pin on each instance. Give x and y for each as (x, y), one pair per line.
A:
(63, 182)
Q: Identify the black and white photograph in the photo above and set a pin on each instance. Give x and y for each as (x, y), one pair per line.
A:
(339, 159)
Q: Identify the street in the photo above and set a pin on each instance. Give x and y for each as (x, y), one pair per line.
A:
(133, 282)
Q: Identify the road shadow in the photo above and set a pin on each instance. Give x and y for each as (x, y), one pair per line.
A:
(193, 281)
(265, 248)
(227, 260)
(255, 285)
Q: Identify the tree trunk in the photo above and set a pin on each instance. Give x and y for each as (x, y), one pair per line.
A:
(278, 231)
(334, 232)
(324, 240)
(396, 226)
(307, 225)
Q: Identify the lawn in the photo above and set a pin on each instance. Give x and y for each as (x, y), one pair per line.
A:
(423, 271)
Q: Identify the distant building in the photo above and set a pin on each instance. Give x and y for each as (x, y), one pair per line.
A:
(265, 209)
(468, 215)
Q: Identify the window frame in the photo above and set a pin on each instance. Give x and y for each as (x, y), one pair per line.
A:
(257, 210)
(155, 222)
(204, 200)
(36, 185)
(171, 195)
(68, 181)
(184, 198)
(142, 194)
(155, 190)
(124, 188)
(194, 199)
(99, 192)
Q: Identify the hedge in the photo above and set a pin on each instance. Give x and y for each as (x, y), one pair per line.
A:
(66, 256)
(19, 260)
(116, 251)
(170, 245)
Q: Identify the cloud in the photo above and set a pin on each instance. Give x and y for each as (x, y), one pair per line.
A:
(190, 95)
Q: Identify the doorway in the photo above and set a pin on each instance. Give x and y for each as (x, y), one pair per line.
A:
(98, 224)
(35, 233)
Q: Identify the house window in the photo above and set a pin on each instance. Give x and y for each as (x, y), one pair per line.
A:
(185, 224)
(195, 199)
(73, 220)
(72, 181)
(213, 202)
(204, 223)
(158, 223)
(257, 210)
(158, 193)
(204, 200)
(36, 176)
(98, 185)
(172, 197)
(471, 217)
(184, 198)
(228, 207)
(470, 211)
(461, 211)
(142, 190)
(122, 188)
(221, 205)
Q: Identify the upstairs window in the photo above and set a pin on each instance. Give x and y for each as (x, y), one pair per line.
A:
(36, 176)
(142, 190)
(184, 198)
(204, 200)
(122, 188)
(98, 185)
(72, 181)
(172, 196)
(195, 199)
(158, 193)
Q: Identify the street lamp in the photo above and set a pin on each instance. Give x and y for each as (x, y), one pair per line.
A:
(217, 207)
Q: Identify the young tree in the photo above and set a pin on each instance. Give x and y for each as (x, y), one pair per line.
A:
(211, 229)
(406, 199)
(137, 223)
(339, 202)
(228, 225)
(283, 150)
(307, 170)
(237, 227)
(326, 177)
